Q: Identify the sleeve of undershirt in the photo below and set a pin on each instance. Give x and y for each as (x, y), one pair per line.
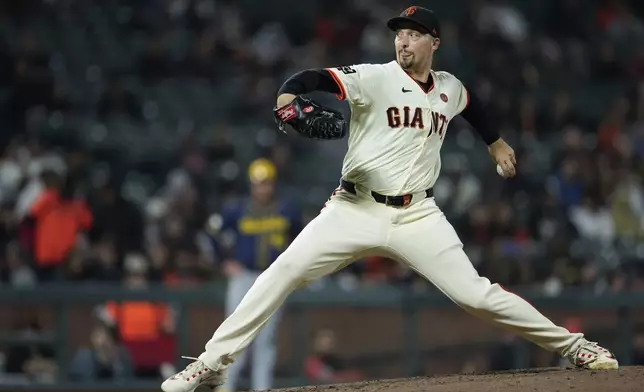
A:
(474, 112)
(310, 80)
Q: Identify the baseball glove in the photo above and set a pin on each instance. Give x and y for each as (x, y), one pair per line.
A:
(311, 119)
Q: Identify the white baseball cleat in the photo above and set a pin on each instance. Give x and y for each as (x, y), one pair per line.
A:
(592, 356)
(194, 375)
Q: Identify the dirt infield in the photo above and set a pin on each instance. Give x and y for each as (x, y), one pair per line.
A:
(626, 379)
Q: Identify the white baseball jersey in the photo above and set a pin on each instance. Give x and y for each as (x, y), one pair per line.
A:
(397, 128)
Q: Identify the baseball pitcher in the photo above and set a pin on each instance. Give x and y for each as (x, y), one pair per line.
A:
(400, 113)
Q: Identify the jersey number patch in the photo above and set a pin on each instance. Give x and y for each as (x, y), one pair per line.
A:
(346, 69)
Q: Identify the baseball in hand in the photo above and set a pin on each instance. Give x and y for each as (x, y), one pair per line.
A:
(499, 170)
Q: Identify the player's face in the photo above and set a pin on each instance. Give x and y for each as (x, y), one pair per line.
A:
(413, 48)
(262, 191)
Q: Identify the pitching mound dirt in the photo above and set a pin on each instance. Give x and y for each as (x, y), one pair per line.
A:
(626, 379)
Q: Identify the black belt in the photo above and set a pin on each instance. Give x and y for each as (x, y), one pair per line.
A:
(397, 201)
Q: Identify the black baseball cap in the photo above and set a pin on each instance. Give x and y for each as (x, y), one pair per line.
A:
(416, 17)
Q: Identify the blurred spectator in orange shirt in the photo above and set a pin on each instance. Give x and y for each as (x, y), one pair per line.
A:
(57, 221)
(145, 328)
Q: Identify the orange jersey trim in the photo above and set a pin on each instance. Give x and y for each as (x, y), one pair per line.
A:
(343, 91)
(467, 99)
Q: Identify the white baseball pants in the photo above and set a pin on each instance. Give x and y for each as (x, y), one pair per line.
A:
(263, 348)
(351, 226)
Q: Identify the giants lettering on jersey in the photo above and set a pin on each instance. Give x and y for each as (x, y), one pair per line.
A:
(407, 120)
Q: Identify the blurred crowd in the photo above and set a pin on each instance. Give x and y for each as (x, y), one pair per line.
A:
(575, 215)
(107, 177)
(72, 210)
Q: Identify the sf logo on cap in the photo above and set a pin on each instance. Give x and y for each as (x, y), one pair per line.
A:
(410, 11)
